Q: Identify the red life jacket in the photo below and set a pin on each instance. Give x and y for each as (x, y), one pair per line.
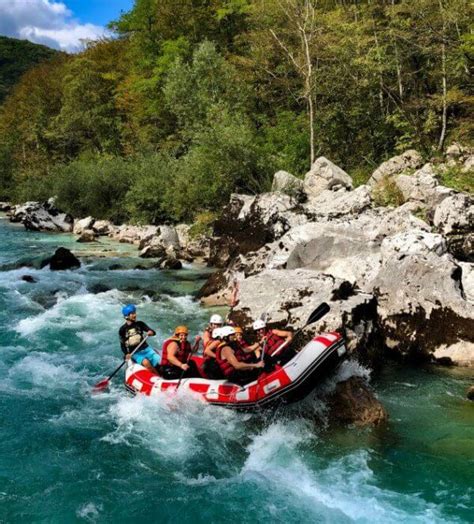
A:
(273, 342)
(184, 350)
(241, 355)
(226, 368)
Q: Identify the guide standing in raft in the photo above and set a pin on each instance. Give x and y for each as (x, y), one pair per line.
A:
(132, 334)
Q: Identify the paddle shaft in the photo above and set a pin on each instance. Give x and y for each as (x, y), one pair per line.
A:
(131, 355)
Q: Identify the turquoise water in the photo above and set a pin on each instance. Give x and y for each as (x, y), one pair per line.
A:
(67, 456)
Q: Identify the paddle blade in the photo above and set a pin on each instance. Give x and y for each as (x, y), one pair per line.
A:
(318, 313)
(101, 386)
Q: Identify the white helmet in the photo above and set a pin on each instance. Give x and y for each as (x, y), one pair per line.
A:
(259, 324)
(226, 331)
(216, 332)
(216, 319)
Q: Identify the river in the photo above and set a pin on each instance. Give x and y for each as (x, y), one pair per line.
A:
(68, 456)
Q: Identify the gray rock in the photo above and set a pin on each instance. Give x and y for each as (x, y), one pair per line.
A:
(149, 251)
(82, 224)
(42, 216)
(334, 204)
(171, 263)
(455, 214)
(467, 280)
(396, 165)
(412, 243)
(325, 175)
(422, 187)
(287, 183)
(5, 206)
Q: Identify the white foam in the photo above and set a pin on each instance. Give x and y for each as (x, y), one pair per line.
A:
(89, 512)
(345, 487)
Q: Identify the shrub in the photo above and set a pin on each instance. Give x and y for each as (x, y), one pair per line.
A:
(387, 193)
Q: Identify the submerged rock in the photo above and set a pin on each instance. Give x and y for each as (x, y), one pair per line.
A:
(29, 278)
(87, 235)
(62, 259)
(354, 402)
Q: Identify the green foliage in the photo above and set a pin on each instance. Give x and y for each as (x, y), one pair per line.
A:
(195, 100)
(386, 193)
(16, 57)
(203, 223)
(93, 186)
(456, 178)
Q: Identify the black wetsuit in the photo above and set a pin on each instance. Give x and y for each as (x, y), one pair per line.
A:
(128, 330)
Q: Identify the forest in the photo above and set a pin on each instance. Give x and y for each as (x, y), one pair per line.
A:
(192, 100)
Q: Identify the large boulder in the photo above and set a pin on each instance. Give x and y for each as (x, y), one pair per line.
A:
(467, 280)
(248, 223)
(287, 298)
(83, 224)
(407, 161)
(129, 234)
(192, 245)
(87, 235)
(5, 206)
(325, 175)
(42, 216)
(62, 259)
(287, 183)
(454, 218)
(354, 403)
(329, 205)
(152, 251)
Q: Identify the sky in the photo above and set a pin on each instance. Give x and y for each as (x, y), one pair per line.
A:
(60, 24)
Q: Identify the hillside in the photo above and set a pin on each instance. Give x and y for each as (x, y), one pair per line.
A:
(16, 57)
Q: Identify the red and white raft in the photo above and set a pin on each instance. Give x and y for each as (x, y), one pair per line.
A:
(285, 384)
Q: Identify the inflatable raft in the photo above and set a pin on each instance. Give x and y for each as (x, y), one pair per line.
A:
(284, 384)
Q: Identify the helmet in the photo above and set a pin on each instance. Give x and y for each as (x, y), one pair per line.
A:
(238, 329)
(128, 310)
(216, 333)
(181, 329)
(259, 324)
(216, 319)
(226, 331)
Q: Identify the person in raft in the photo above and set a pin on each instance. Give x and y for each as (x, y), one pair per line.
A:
(216, 321)
(230, 359)
(251, 353)
(176, 353)
(270, 341)
(132, 334)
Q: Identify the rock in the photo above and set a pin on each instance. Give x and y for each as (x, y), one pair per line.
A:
(454, 218)
(5, 206)
(421, 304)
(336, 204)
(42, 216)
(408, 160)
(468, 164)
(470, 393)
(103, 227)
(156, 251)
(29, 278)
(192, 247)
(248, 223)
(87, 235)
(62, 259)
(98, 287)
(129, 234)
(467, 280)
(171, 263)
(354, 403)
(413, 242)
(82, 224)
(460, 353)
(422, 187)
(325, 175)
(289, 296)
(454, 152)
(287, 183)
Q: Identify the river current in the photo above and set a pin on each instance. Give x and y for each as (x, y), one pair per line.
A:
(68, 456)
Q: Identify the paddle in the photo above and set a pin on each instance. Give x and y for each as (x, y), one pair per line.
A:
(104, 384)
(317, 314)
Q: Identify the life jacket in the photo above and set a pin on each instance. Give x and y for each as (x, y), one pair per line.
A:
(226, 368)
(208, 330)
(184, 350)
(273, 342)
(241, 355)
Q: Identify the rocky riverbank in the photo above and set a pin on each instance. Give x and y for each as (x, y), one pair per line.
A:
(399, 277)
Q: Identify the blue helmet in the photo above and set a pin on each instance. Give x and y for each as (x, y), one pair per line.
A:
(128, 310)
